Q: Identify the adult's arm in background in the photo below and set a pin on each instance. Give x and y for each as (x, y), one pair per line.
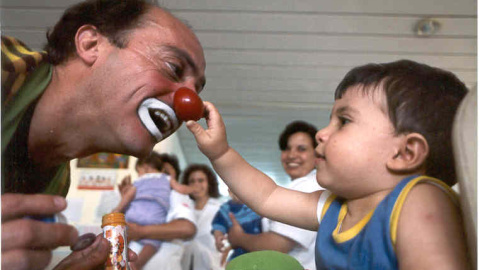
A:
(175, 229)
(255, 242)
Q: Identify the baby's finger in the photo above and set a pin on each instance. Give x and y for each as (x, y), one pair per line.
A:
(213, 115)
(196, 129)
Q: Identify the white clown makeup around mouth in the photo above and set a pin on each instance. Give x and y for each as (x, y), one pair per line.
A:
(159, 118)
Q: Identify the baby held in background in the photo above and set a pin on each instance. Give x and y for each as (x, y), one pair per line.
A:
(250, 221)
(147, 200)
(386, 162)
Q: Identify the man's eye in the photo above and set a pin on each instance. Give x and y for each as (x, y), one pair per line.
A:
(176, 70)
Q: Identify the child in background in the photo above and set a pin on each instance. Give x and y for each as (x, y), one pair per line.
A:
(388, 139)
(147, 200)
(250, 221)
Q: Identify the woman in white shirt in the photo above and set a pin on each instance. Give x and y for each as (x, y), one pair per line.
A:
(201, 253)
(297, 144)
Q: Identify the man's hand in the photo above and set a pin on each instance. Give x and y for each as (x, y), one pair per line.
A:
(236, 233)
(92, 257)
(27, 243)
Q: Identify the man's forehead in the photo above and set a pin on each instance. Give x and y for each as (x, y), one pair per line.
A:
(157, 39)
(162, 28)
(162, 35)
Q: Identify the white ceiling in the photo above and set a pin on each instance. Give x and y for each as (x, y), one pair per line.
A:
(273, 61)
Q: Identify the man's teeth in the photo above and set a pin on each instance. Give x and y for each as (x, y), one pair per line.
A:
(161, 119)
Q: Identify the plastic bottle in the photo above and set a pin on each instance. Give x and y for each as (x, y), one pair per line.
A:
(115, 231)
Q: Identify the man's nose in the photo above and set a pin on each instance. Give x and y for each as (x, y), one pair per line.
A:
(190, 83)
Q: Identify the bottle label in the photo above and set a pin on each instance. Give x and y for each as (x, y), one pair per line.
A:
(117, 237)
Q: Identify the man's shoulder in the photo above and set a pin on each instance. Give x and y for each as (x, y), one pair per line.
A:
(18, 58)
(25, 74)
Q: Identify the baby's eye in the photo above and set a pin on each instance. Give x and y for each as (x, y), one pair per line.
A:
(343, 120)
(176, 70)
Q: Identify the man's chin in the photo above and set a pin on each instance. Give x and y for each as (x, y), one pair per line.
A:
(142, 147)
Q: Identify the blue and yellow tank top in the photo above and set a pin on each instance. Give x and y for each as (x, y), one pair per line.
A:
(370, 244)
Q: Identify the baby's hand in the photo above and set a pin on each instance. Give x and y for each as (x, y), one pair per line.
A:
(212, 141)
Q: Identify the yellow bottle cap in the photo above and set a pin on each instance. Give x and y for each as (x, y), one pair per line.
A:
(113, 219)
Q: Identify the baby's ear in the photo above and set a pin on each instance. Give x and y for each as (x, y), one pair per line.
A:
(87, 40)
(410, 154)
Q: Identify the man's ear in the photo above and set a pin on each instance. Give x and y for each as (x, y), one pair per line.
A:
(410, 155)
(87, 41)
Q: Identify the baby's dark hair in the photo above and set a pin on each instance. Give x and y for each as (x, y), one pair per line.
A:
(112, 18)
(173, 160)
(420, 99)
(294, 127)
(152, 160)
(213, 190)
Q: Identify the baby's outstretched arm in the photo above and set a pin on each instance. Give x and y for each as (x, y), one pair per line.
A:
(253, 187)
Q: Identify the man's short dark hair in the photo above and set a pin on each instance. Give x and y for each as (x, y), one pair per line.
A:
(420, 99)
(112, 18)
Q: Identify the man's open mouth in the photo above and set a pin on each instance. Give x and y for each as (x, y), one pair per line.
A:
(159, 119)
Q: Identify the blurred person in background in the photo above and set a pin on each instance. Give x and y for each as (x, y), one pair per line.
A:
(297, 143)
(147, 201)
(201, 253)
(180, 225)
(250, 221)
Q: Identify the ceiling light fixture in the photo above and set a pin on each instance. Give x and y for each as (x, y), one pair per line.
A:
(427, 27)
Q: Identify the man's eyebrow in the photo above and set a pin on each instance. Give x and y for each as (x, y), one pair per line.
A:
(185, 57)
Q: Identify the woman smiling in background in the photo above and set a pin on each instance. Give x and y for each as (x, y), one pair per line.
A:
(297, 143)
